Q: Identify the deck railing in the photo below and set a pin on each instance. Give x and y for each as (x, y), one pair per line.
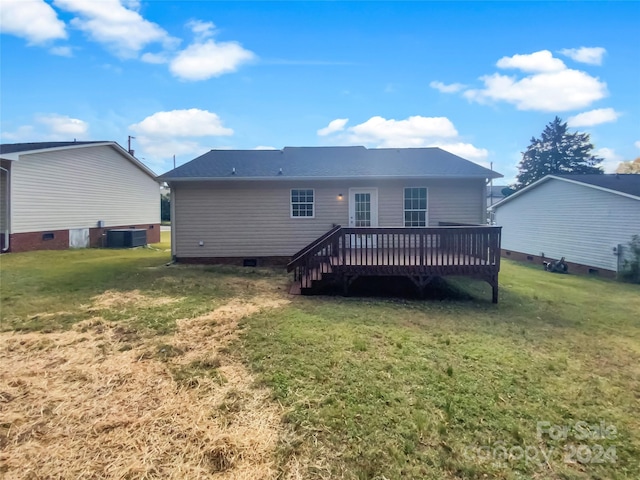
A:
(428, 247)
(315, 259)
(445, 250)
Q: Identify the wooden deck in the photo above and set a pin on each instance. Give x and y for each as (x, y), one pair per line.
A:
(421, 254)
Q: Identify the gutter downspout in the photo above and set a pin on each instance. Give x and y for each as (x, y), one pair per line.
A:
(7, 240)
(172, 214)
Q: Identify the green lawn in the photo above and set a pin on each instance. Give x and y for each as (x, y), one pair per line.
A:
(455, 389)
(44, 291)
(392, 388)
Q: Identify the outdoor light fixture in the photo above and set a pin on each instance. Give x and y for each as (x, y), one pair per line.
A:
(339, 196)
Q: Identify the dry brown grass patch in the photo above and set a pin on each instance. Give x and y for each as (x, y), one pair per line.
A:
(112, 298)
(76, 404)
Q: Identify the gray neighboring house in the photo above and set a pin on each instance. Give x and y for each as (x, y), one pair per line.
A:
(265, 205)
(588, 219)
(494, 194)
(54, 195)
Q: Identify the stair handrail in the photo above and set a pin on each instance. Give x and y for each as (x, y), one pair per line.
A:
(314, 247)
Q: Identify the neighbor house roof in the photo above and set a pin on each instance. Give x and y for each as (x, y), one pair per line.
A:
(13, 151)
(327, 163)
(624, 183)
(495, 190)
(28, 147)
(627, 185)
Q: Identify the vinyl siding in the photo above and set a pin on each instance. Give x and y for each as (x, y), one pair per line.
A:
(77, 187)
(3, 199)
(562, 219)
(245, 219)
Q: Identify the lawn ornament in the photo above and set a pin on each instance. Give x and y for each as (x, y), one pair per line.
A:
(558, 266)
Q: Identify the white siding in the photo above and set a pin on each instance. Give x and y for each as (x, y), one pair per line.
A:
(562, 219)
(3, 199)
(75, 188)
(244, 219)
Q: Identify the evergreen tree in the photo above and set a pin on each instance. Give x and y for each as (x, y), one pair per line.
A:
(556, 152)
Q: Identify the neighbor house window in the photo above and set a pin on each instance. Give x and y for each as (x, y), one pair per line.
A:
(302, 202)
(415, 207)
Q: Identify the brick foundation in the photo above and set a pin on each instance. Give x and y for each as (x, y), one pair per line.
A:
(238, 261)
(59, 239)
(45, 240)
(575, 268)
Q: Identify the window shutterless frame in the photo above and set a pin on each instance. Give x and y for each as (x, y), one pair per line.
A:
(302, 203)
(416, 212)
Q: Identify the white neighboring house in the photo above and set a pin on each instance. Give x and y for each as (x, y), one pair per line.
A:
(588, 219)
(54, 195)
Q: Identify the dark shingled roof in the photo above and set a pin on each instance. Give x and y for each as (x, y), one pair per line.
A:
(626, 183)
(327, 162)
(25, 147)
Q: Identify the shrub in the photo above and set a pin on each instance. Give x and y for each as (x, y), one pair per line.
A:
(631, 267)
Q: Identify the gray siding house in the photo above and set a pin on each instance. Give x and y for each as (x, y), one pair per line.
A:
(588, 219)
(265, 205)
(54, 195)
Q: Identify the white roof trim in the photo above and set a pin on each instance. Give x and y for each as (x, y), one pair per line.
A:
(282, 178)
(15, 156)
(568, 180)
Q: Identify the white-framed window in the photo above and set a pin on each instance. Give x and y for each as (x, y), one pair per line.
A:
(302, 202)
(415, 207)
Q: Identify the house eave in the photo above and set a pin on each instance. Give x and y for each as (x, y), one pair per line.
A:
(15, 156)
(568, 180)
(307, 178)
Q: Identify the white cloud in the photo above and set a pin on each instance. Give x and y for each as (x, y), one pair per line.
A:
(412, 132)
(593, 117)
(157, 58)
(544, 84)
(24, 133)
(637, 144)
(334, 126)
(182, 123)
(611, 159)
(123, 30)
(416, 131)
(34, 20)
(201, 30)
(465, 150)
(537, 62)
(49, 127)
(265, 147)
(63, 125)
(548, 92)
(178, 132)
(61, 51)
(450, 88)
(206, 59)
(589, 55)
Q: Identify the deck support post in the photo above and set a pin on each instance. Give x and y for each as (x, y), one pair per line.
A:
(421, 282)
(494, 288)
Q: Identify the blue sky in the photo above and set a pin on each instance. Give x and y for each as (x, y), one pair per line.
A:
(476, 78)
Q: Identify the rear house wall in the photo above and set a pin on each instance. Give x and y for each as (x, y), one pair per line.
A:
(252, 219)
